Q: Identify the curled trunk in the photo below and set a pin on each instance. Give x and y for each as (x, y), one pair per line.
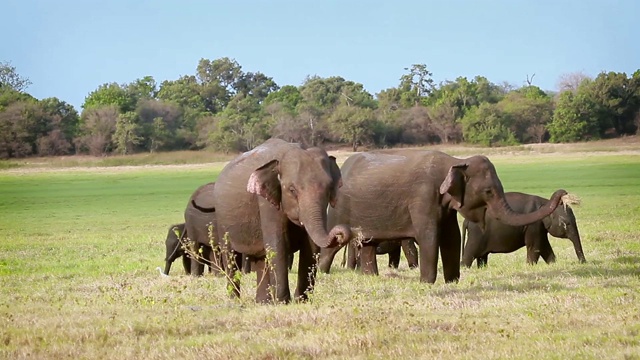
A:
(315, 222)
(505, 214)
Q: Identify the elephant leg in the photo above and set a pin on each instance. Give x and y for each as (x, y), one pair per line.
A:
(306, 270)
(197, 265)
(394, 257)
(327, 256)
(450, 243)
(273, 224)
(186, 264)
(482, 261)
(533, 241)
(352, 255)
(263, 287)
(410, 252)
(368, 261)
(546, 251)
(246, 264)
(425, 225)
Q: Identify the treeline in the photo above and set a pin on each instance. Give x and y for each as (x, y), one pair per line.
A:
(228, 109)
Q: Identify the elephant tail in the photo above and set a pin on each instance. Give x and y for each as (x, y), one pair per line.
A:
(202, 208)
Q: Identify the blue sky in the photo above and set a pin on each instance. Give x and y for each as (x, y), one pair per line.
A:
(68, 48)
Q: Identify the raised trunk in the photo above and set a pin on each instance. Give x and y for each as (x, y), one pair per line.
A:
(315, 222)
(505, 214)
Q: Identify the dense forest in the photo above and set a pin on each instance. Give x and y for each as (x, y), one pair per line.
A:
(228, 109)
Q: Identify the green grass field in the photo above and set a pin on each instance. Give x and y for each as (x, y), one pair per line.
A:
(79, 248)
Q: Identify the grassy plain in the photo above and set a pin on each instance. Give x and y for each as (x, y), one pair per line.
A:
(79, 248)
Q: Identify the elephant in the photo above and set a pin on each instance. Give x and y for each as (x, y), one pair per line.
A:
(174, 248)
(500, 238)
(393, 248)
(272, 201)
(200, 222)
(395, 194)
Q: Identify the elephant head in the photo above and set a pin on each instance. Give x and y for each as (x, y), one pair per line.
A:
(562, 224)
(302, 184)
(472, 187)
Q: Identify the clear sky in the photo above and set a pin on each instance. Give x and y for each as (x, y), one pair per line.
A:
(67, 48)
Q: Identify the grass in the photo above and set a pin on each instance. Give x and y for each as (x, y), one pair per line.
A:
(79, 248)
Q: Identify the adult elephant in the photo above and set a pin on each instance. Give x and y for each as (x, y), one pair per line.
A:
(271, 201)
(392, 248)
(500, 238)
(411, 193)
(173, 243)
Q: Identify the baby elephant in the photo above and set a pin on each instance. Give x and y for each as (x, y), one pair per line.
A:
(175, 236)
(497, 237)
(393, 248)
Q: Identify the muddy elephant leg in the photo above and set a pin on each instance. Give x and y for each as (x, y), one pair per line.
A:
(449, 244)
(274, 224)
(410, 252)
(326, 258)
(546, 251)
(368, 261)
(263, 287)
(394, 257)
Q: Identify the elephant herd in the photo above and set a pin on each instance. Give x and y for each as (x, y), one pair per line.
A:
(281, 198)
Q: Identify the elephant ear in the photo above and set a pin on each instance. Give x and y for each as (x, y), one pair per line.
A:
(337, 180)
(454, 184)
(265, 181)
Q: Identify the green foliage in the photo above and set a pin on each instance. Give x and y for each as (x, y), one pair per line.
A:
(10, 79)
(575, 117)
(487, 125)
(111, 94)
(126, 133)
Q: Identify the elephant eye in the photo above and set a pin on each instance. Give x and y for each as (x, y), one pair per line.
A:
(293, 191)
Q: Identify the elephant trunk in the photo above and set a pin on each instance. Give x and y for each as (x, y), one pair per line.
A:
(574, 236)
(326, 258)
(505, 214)
(314, 220)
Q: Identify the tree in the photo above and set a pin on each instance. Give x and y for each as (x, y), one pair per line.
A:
(417, 84)
(110, 94)
(487, 125)
(352, 123)
(571, 81)
(444, 122)
(97, 127)
(530, 110)
(239, 127)
(159, 122)
(20, 125)
(575, 118)
(10, 79)
(126, 134)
